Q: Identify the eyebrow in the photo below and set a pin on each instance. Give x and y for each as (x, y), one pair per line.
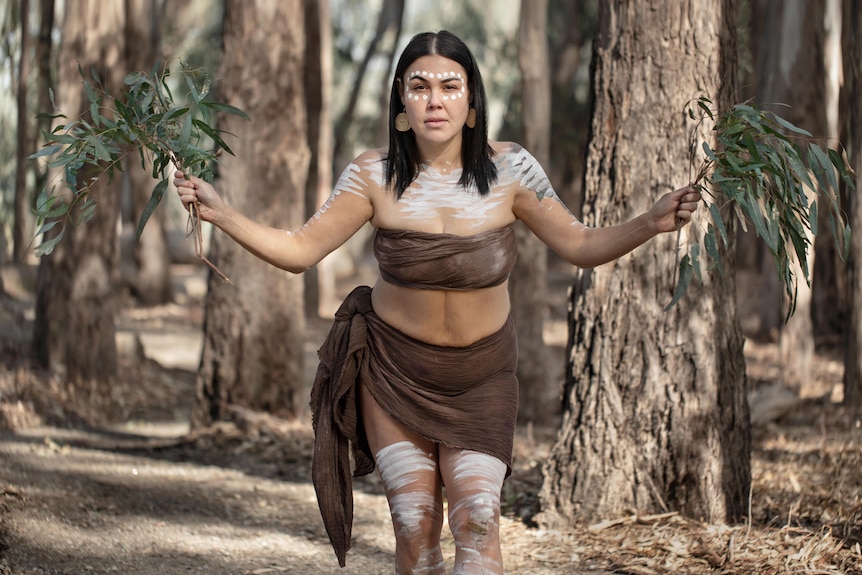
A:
(424, 79)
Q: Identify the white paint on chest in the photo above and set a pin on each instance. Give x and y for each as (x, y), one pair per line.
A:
(434, 195)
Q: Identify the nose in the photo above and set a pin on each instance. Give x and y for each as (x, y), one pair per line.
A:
(435, 99)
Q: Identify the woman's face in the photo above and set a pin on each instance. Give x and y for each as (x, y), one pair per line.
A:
(436, 99)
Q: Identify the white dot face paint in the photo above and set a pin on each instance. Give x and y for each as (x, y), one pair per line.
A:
(451, 85)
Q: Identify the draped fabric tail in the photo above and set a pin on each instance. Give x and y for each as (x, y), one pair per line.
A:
(335, 416)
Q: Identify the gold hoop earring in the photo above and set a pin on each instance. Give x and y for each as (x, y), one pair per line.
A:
(471, 118)
(401, 122)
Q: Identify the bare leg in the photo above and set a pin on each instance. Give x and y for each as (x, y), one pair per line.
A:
(474, 482)
(411, 479)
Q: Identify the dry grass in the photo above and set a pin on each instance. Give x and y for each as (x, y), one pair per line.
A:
(806, 499)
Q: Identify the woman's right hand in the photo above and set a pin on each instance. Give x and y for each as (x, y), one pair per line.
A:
(195, 190)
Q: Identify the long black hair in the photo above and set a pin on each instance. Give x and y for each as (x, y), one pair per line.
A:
(402, 162)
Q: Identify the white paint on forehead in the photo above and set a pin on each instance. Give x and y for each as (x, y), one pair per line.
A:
(451, 74)
(433, 191)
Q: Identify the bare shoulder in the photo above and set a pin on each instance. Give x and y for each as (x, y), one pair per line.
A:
(364, 175)
(371, 156)
(504, 149)
(515, 164)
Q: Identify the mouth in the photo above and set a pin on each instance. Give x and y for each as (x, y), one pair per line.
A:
(435, 122)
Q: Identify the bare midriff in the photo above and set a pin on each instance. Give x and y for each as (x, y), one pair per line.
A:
(440, 317)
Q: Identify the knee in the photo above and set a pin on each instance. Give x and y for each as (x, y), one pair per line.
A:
(476, 512)
(417, 519)
(476, 516)
(416, 516)
(410, 477)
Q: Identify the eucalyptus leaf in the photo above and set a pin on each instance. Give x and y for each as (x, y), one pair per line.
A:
(756, 167)
(226, 108)
(143, 118)
(152, 204)
(47, 246)
(685, 272)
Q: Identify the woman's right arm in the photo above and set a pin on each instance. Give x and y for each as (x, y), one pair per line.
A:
(339, 218)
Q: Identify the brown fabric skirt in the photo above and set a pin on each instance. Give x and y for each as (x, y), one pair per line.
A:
(464, 397)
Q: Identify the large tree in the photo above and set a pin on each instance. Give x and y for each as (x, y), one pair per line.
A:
(656, 416)
(75, 303)
(254, 329)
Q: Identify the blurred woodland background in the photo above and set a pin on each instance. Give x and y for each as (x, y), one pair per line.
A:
(651, 411)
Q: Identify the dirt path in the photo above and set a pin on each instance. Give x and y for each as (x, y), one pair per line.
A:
(136, 502)
(146, 498)
(96, 503)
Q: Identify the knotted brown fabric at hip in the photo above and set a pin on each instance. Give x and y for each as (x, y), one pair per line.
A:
(462, 397)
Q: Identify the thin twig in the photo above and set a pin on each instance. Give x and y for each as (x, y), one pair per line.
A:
(195, 231)
(197, 237)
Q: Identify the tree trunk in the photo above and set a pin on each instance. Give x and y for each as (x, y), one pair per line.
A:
(569, 109)
(539, 394)
(853, 77)
(21, 233)
(254, 330)
(320, 280)
(798, 64)
(75, 301)
(45, 63)
(152, 278)
(797, 76)
(829, 304)
(656, 416)
(390, 16)
(760, 294)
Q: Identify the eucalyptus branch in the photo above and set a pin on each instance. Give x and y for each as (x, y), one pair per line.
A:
(760, 171)
(145, 119)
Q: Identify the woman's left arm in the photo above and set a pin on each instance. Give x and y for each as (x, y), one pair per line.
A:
(587, 247)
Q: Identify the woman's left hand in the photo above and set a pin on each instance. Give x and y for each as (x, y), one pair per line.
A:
(674, 209)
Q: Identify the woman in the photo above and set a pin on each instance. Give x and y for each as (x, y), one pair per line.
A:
(418, 373)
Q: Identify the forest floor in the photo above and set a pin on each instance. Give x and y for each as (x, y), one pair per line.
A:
(139, 494)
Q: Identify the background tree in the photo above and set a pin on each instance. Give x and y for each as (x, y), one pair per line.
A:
(656, 416)
(151, 277)
(389, 22)
(571, 25)
(319, 280)
(20, 229)
(805, 82)
(34, 77)
(76, 286)
(254, 330)
(853, 67)
(539, 395)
